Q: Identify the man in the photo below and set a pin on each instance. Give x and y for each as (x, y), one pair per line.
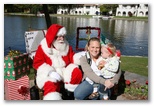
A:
(54, 62)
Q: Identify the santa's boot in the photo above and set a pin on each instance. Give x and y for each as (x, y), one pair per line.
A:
(51, 91)
(69, 95)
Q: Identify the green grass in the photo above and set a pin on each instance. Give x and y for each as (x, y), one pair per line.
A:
(83, 16)
(138, 65)
(63, 15)
(131, 18)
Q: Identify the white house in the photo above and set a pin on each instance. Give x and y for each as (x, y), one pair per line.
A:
(139, 10)
(85, 9)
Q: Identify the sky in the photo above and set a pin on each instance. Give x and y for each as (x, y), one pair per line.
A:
(76, 103)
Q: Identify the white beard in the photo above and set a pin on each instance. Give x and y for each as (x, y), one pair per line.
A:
(61, 47)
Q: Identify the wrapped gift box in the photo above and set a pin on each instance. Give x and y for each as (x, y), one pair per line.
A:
(16, 66)
(17, 89)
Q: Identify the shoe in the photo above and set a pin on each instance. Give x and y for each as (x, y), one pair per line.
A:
(94, 96)
(68, 95)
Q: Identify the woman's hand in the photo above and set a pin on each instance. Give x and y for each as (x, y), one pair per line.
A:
(108, 84)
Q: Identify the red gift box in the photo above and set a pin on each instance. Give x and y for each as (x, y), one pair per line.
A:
(17, 89)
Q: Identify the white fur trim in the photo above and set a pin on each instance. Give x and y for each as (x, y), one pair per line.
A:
(57, 60)
(44, 69)
(42, 75)
(62, 32)
(77, 57)
(45, 47)
(53, 96)
(71, 87)
(68, 72)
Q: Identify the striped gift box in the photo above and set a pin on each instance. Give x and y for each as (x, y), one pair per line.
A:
(11, 88)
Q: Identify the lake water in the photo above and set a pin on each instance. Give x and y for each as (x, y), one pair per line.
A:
(131, 37)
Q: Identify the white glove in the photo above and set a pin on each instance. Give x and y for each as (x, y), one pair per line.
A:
(55, 75)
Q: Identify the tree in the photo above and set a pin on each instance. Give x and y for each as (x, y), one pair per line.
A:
(8, 7)
(47, 17)
(106, 8)
(52, 8)
(33, 8)
(103, 10)
(21, 7)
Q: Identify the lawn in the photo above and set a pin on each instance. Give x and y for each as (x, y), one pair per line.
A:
(138, 65)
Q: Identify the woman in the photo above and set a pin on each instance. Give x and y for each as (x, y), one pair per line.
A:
(85, 89)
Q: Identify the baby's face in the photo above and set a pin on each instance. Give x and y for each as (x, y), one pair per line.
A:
(104, 52)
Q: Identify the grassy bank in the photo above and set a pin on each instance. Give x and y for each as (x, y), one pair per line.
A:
(90, 16)
(82, 16)
(138, 65)
(131, 18)
(62, 15)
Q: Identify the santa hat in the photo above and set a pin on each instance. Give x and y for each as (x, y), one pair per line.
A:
(62, 32)
(53, 31)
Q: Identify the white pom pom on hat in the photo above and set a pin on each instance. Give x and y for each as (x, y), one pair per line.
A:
(62, 32)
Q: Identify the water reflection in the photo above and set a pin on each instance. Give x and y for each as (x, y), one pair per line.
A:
(131, 37)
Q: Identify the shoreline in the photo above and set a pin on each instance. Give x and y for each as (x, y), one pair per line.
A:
(78, 16)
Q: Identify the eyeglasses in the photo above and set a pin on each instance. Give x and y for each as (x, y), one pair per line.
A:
(60, 37)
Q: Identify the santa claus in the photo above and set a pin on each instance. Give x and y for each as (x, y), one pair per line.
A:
(54, 62)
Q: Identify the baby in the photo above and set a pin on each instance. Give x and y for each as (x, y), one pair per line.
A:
(108, 63)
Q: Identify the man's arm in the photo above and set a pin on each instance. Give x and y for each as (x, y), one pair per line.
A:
(38, 59)
(43, 69)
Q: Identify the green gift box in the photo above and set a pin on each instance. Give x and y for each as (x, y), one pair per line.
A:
(16, 66)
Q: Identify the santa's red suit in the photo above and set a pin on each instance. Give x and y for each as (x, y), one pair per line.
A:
(48, 59)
